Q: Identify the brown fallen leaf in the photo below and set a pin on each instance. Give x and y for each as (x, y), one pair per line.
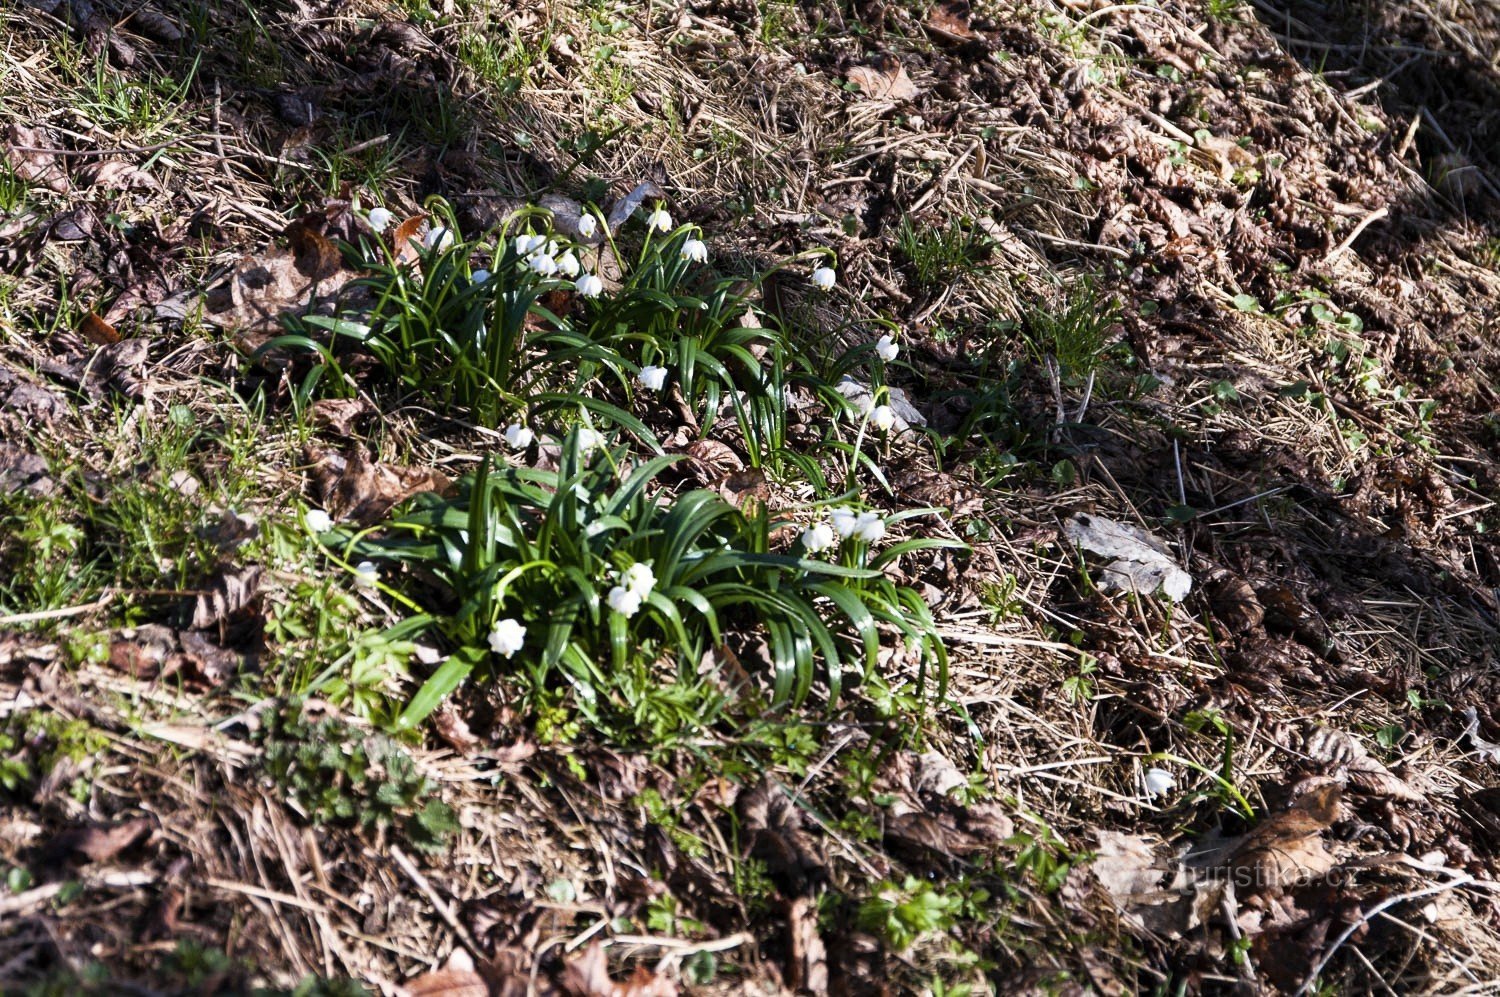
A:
(99, 842)
(307, 276)
(97, 331)
(777, 836)
(1339, 750)
(354, 488)
(407, 239)
(23, 471)
(1287, 847)
(885, 79)
(231, 593)
(25, 151)
(450, 726)
(339, 414)
(587, 975)
(456, 979)
(116, 174)
(154, 24)
(949, 20)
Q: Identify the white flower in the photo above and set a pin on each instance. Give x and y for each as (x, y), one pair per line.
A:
(695, 250)
(639, 578)
(882, 417)
(587, 226)
(623, 601)
(652, 378)
(567, 263)
(659, 220)
(845, 521)
(380, 219)
(507, 638)
(438, 238)
(518, 437)
(589, 439)
(886, 348)
(1159, 782)
(818, 537)
(543, 264)
(480, 276)
(526, 244)
(869, 527)
(366, 574)
(823, 278)
(590, 286)
(318, 521)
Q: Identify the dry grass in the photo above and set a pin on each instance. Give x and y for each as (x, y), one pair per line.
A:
(1363, 526)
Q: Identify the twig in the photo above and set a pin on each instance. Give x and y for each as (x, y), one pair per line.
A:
(1463, 879)
(438, 903)
(1364, 223)
(61, 613)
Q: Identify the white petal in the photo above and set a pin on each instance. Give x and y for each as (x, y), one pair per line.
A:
(379, 219)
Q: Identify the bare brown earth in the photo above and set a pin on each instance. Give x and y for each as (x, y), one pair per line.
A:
(1294, 208)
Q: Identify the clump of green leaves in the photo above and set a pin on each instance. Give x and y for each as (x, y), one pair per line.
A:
(340, 775)
(547, 550)
(900, 913)
(33, 742)
(939, 255)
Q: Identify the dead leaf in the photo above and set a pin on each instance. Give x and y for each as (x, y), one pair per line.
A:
(741, 488)
(807, 964)
(142, 652)
(453, 730)
(1339, 750)
(23, 471)
(154, 24)
(99, 842)
(25, 151)
(353, 488)
(339, 414)
(621, 210)
(1234, 602)
(456, 979)
(1287, 847)
(949, 20)
(229, 595)
(1141, 562)
(885, 79)
(777, 836)
(587, 975)
(97, 331)
(205, 659)
(306, 277)
(1487, 750)
(71, 226)
(406, 241)
(116, 174)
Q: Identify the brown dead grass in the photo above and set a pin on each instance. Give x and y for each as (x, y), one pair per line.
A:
(1366, 551)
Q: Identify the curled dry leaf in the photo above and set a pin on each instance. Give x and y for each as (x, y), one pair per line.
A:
(26, 152)
(450, 726)
(621, 210)
(153, 23)
(885, 79)
(457, 978)
(352, 487)
(1488, 750)
(1142, 563)
(587, 975)
(23, 471)
(406, 240)
(949, 21)
(97, 331)
(230, 594)
(307, 276)
(1287, 847)
(338, 415)
(99, 842)
(1339, 750)
(777, 835)
(116, 174)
